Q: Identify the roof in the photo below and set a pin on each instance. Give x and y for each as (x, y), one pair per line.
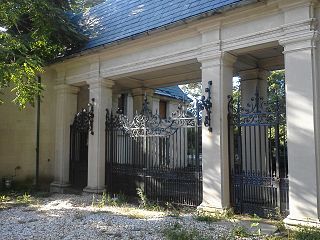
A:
(115, 20)
(173, 92)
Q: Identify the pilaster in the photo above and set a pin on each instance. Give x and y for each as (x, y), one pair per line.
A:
(138, 95)
(218, 68)
(101, 91)
(302, 109)
(66, 108)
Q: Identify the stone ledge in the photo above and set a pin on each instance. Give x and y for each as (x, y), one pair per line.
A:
(59, 187)
(292, 222)
(93, 190)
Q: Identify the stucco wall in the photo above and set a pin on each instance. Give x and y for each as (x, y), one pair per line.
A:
(18, 136)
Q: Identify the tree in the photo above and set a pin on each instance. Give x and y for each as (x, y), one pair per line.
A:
(194, 90)
(79, 6)
(33, 34)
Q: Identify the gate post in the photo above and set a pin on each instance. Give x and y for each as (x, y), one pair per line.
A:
(101, 91)
(301, 53)
(66, 108)
(217, 68)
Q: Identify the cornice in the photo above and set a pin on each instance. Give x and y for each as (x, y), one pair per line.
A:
(180, 56)
(101, 83)
(92, 75)
(64, 89)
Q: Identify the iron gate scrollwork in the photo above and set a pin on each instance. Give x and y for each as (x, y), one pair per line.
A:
(161, 156)
(258, 156)
(79, 131)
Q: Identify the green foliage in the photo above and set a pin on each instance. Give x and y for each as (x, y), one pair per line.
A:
(305, 233)
(82, 5)
(193, 89)
(176, 232)
(103, 201)
(215, 216)
(4, 198)
(32, 34)
(207, 217)
(24, 199)
(240, 231)
(142, 197)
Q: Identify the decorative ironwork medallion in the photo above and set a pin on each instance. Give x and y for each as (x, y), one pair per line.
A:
(83, 120)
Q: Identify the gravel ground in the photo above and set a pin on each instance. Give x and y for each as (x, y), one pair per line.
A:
(73, 217)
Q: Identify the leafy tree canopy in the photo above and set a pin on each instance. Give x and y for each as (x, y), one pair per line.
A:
(32, 34)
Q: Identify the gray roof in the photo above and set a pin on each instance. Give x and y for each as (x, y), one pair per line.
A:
(173, 92)
(115, 20)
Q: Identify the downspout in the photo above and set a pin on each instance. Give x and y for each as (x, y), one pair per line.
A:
(38, 137)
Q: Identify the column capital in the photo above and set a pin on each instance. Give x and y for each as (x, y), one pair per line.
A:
(142, 91)
(102, 83)
(64, 88)
(254, 74)
(217, 59)
(299, 42)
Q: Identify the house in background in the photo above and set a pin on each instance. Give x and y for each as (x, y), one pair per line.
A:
(18, 151)
(139, 46)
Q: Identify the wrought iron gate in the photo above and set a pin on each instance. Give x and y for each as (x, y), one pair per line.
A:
(258, 156)
(79, 131)
(160, 156)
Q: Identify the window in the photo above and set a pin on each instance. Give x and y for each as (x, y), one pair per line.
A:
(163, 109)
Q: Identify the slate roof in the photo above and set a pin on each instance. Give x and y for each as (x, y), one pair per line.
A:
(115, 20)
(173, 92)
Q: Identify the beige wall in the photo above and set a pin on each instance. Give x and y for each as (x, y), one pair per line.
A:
(18, 136)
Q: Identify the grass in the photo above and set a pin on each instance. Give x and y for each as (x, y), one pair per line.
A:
(136, 215)
(107, 200)
(177, 232)
(207, 217)
(240, 231)
(214, 216)
(306, 233)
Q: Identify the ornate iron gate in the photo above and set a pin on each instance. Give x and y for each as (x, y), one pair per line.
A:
(160, 156)
(258, 157)
(79, 131)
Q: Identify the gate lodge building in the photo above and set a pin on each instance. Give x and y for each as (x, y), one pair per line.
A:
(138, 46)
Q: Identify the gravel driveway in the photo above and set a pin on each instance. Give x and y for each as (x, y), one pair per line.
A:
(73, 217)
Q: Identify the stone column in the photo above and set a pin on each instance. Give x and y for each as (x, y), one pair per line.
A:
(254, 152)
(215, 163)
(253, 81)
(66, 108)
(302, 108)
(138, 95)
(130, 106)
(155, 105)
(102, 93)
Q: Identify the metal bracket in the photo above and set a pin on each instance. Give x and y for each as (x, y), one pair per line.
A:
(91, 115)
(205, 103)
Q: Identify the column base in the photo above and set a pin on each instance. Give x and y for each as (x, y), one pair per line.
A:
(291, 221)
(206, 208)
(57, 187)
(93, 190)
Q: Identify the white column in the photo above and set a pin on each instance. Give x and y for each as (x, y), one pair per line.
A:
(66, 108)
(155, 105)
(129, 106)
(102, 93)
(254, 157)
(253, 80)
(215, 162)
(302, 107)
(138, 95)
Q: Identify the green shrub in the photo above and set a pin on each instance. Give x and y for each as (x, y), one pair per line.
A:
(178, 233)
(207, 217)
(307, 233)
(240, 231)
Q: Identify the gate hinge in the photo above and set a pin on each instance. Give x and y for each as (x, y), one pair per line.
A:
(205, 103)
